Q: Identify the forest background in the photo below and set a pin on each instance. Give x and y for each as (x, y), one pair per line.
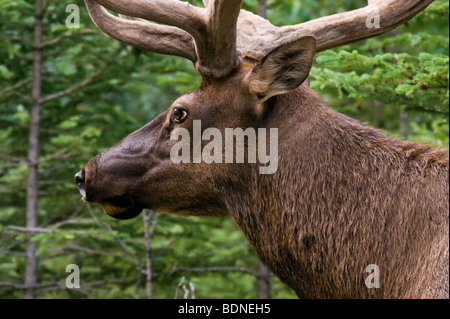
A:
(67, 94)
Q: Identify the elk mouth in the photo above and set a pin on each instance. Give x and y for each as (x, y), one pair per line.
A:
(119, 207)
(122, 207)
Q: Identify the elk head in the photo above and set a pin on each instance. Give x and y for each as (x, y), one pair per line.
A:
(245, 62)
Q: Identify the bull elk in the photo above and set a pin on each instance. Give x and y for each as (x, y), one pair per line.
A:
(343, 197)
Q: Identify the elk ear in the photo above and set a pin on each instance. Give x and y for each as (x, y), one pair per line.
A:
(283, 69)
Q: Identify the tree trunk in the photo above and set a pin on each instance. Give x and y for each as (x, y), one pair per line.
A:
(148, 271)
(33, 155)
(149, 232)
(263, 284)
(262, 8)
(404, 121)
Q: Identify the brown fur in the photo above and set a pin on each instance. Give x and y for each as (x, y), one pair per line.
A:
(344, 196)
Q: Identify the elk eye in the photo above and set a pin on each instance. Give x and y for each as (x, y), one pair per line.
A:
(179, 115)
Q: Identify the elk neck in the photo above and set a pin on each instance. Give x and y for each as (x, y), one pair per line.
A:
(324, 213)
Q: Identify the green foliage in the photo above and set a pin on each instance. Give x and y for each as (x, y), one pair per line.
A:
(377, 81)
(403, 72)
(419, 82)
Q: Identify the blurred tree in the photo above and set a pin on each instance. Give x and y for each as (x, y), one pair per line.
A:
(384, 79)
(44, 65)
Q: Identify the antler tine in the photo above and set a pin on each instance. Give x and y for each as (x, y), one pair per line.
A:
(256, 36)
(143, 34)
(378, 17)
(213, 29)
(217, 53)
(170, 12)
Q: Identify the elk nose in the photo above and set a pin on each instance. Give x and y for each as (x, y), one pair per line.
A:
(79, 179)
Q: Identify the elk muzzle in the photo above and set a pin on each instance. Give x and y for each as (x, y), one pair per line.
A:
(80, 180)
(116, 206)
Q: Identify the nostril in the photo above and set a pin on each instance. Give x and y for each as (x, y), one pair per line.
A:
(79, 179)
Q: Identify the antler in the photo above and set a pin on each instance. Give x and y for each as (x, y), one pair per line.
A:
(143, 34)
(220, 40)
(206, 36)
(214, 37)
(258, 37)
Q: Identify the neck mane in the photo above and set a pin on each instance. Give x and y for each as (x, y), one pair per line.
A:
(344, 197)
